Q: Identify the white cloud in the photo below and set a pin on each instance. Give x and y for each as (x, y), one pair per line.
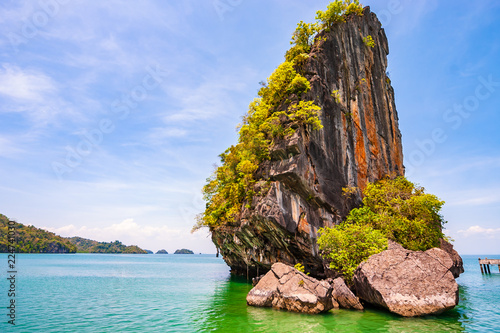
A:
(123, 230)
(25, 85)
(480, 231)
(131, 233)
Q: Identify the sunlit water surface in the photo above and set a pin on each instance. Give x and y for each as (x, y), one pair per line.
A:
(195, 293)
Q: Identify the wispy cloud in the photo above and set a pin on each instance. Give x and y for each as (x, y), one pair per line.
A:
(123, 230)
(130, 232)
(25, 85)
(480, 231)
(208, 100)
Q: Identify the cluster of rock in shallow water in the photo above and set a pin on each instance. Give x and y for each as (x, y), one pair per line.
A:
(409, 283)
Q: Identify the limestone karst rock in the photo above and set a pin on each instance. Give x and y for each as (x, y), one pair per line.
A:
(359, 143)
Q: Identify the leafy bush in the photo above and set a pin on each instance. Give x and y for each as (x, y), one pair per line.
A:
(299, 85)
(393, 209)
(336, 11)
(305, 34)
(403, 212)
(335, 94)
(368, 40)
(347, 245)
(305, 113)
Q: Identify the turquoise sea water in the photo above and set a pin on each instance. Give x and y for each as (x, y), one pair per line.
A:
(195, 293)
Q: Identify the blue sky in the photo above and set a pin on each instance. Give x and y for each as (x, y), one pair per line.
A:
(113, 113)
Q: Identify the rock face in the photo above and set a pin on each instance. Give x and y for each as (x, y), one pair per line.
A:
(458, 265)
(342, 295)
(302, 184)
(284, 287)
(409, 283)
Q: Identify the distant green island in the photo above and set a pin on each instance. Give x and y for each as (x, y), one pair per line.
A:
(29, 239)
(162, 252)
(84, 245)
(183, 251)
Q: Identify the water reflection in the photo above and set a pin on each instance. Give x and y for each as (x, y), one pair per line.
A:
(227, 312)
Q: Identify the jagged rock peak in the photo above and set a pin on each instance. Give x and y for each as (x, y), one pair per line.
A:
(301, 187)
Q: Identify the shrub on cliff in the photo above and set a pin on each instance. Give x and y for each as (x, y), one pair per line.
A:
(269, 117)
(346, 245)
(393, 209)
(403, 212)
(304, 35)
(336, 12)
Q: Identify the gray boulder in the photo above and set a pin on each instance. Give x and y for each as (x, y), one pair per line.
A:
(409, 283)
(284, 287)
(343, 296)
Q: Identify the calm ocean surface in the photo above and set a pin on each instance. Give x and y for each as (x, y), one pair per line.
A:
(195, 293)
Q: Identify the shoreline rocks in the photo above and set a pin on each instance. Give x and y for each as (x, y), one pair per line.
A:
(343, 296)
(458, 265)
(409, 283)
(284, 287)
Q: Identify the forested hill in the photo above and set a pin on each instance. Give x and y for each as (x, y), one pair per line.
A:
(91, 246)
(29, 239)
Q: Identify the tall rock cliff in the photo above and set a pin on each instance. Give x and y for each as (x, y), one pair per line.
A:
(303, 183)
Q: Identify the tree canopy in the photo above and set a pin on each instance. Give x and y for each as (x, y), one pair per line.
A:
(393, 209)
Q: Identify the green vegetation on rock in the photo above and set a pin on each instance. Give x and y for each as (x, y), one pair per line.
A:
(270, 117)
(345, 246)
(336, 12)
(29, 239)
(276, 113)
(393, 209)
(368, 40)
(305, 34)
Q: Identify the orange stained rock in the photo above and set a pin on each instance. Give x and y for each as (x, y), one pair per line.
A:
(304, 225)
(360, 149)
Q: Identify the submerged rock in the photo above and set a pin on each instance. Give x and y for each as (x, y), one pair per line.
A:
(284, 287)
(409, 283)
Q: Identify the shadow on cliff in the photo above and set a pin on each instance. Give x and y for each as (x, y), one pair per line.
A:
(227, 312)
